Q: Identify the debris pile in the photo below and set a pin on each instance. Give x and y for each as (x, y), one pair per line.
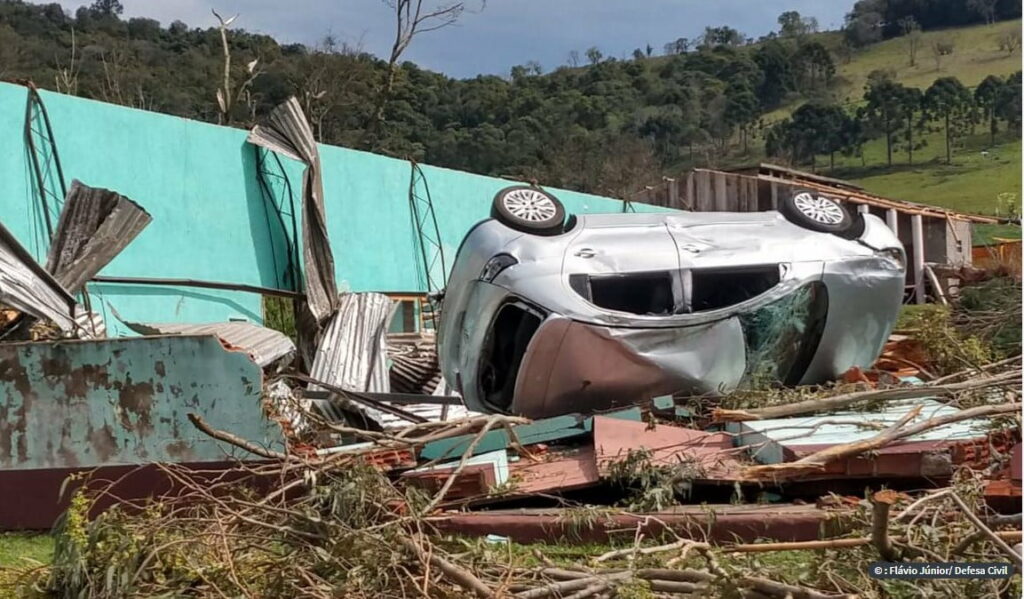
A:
(379, 483)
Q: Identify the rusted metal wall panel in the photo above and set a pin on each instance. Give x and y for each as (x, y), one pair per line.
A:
(74, 404)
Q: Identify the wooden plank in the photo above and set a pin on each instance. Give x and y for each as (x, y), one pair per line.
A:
(721, 199)
(538, 431)
(808, 176)
(917, 230)
(704, 197)
(690, 197)
(752, 194)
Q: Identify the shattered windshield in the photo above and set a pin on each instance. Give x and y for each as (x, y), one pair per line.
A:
(781, 337)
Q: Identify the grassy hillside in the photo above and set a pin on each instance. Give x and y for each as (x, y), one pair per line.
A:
(976, 55)
(975, 181)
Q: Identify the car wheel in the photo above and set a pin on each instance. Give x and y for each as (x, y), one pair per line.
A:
(529, 210)
(816, 212)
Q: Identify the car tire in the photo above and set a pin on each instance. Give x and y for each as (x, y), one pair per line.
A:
(816, 212)
(529, 209)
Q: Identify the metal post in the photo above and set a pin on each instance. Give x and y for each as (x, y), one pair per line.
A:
(917, 230)
(892, 219)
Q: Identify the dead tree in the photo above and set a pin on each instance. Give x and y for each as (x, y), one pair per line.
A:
(66, 78)
(411, 18)
(227, 94)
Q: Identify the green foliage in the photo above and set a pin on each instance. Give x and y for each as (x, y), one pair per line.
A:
(950, 348)
(948, 101)
(870, 20)
(653, 487)
(634, 589)
(278, 314)
(992, 310)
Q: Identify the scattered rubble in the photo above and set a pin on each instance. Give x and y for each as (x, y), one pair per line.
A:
(343, 465)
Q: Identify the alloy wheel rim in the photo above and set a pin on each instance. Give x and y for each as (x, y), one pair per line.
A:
(819, 209)
(529, 205)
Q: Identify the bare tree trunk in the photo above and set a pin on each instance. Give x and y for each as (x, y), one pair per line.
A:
(949, 159)
(888, 144)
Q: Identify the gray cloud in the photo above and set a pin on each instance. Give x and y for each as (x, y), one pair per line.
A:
(503, 34)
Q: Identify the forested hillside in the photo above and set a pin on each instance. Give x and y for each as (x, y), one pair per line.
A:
(597, 123)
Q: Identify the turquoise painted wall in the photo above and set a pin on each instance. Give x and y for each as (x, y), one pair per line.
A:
(210, 220)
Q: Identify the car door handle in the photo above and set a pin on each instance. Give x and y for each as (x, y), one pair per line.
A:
(585, 253)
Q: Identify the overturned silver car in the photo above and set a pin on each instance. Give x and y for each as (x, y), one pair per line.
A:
(544, 315)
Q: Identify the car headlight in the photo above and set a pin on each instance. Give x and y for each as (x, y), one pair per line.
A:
(894, 256)
(495, 265)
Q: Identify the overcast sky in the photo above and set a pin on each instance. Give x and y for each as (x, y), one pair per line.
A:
(504, 33)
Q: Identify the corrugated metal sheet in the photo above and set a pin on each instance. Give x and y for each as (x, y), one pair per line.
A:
(26, 287)
(776, 438)
(352, 353)
(287, 132)
(264, 345)
(95, 225)
(414, 365)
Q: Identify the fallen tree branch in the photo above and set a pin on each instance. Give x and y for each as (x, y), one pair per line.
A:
(1006, 535)
(685, 544)
(846, 400)
(984, 368)
(778, 589)
(910, 508)
(458, 575)
(976, 521)
(818, 460)
(237, 441)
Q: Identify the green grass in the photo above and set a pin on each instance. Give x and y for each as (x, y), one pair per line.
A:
(976, 55)
(18, 550)
(972, 183)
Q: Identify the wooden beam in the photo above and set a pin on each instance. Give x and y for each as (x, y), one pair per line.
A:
(917, 230)
(863, 209)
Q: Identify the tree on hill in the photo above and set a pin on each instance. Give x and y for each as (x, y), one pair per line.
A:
(813, 66)
(948, 101)
(775, 61)
(986, 95)
(872, 20)
(792, 25)
(911, 31)
(910, 109)
(985, 8)
(813, 129)
(884, 108)
(1008, 103)
(721, 36)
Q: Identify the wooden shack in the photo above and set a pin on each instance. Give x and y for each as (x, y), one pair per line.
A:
(930, 235)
